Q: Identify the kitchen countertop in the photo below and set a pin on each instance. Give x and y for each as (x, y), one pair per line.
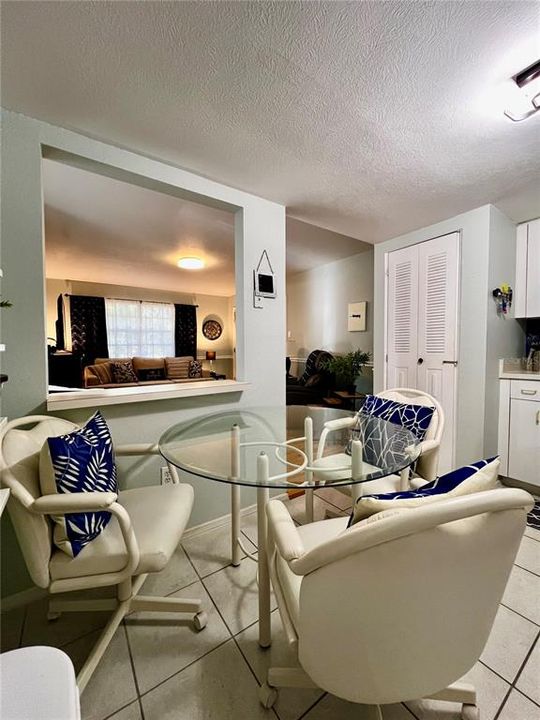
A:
(509, 370)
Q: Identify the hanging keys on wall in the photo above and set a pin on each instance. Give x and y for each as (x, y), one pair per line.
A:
(503, 298)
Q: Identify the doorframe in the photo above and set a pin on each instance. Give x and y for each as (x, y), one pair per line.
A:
(459, 232)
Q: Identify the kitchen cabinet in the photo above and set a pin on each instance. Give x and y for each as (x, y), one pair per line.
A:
(519, 429)
(527, 290)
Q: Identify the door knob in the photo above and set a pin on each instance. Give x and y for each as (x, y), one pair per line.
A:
(420, 361)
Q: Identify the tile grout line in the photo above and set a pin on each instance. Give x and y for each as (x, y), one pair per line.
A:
(516, 678)
(132, 663)
(520, 614)
(527, 569)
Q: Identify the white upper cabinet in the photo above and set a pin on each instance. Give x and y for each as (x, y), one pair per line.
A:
(527, 290)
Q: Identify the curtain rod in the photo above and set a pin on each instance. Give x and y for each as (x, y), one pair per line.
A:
(161, 302)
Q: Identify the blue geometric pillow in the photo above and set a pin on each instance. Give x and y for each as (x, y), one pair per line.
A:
(81, 461)
(377, 502)
(415, 418)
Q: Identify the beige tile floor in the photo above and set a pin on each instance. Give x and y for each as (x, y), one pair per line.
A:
(156, 670)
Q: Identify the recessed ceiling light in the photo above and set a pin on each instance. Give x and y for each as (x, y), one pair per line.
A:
(190, 263)
(528, 100)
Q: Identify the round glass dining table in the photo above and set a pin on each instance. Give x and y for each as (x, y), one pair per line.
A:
(294, 447)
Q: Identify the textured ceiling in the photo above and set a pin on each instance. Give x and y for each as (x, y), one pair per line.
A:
(98, 229)
(369, 118)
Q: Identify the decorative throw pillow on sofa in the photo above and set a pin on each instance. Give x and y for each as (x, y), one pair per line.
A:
(178, 367)
(123, 372)
(415, 418)
(81, 461)
(195, 369)
(480, 476)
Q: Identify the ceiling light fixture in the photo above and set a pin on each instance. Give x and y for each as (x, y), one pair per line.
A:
(190, 263)
(527, 102)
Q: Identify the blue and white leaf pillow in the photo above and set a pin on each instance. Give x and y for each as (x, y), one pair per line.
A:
(81, 461)
(477, 477)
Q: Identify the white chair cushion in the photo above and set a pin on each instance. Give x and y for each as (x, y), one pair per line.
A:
(158, 514)
(312, 534)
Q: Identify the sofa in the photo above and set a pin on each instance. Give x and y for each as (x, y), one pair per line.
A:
(314, 384)
(146, 371)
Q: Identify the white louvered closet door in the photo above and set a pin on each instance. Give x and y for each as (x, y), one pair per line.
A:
(437, 328)
(402, 318)
(422, 302)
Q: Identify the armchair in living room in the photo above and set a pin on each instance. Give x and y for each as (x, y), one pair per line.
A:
(314, 383)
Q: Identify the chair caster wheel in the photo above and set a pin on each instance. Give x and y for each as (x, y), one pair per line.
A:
(470, 712)
(200, 620)
(267, 696)
(51, 616)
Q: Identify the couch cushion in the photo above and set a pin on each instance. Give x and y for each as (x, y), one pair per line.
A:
(159, 515)
(145, 363)
(80, 461)
(178, 367)
(477, 477)
(195, 369)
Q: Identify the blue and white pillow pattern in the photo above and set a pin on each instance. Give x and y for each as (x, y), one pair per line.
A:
(81, 461)
(415, 418)
(477, 477)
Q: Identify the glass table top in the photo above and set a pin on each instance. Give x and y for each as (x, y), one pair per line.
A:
(224, 446)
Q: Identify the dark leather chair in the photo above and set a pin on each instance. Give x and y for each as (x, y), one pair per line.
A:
(314, 384)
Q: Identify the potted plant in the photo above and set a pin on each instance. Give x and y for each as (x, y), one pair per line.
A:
(346, 368)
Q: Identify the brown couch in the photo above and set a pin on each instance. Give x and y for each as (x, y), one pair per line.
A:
(171, 370)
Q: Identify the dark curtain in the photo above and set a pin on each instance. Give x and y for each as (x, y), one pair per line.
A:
(185, 330)
(88, 327)
(59, 324)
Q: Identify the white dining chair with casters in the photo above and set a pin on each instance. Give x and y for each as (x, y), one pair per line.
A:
(146, 526)
(338, 465)
(399, 606)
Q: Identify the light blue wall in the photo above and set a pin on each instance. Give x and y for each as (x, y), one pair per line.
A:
(485, 244)
(259, 225)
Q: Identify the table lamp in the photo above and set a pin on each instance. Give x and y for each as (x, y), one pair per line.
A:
(211, 356)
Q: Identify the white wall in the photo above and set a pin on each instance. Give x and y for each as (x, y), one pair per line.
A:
(209, 306)
(505, 335)
(474, 304)
(317, 303)
(259, 225)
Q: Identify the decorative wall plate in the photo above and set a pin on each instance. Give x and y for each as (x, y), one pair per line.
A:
(211, 329)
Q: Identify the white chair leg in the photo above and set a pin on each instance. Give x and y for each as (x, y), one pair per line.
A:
(236, 554)
(149, 603)
(99, 648)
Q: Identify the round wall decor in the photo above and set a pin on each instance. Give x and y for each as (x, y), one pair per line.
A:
(212, 329)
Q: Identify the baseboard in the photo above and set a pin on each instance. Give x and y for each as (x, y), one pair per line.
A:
(25, 597)
(225, 519)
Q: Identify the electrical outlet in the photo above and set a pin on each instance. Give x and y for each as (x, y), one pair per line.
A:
(166, 477)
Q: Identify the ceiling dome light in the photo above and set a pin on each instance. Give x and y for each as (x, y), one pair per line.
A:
(527, 103)
(190, 263)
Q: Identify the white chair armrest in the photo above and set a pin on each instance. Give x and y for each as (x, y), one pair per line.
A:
(62, 503)
(392, 524)
(283, 530)
(340, 423)
(136, 449)
(333, 426)
(428, 445)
